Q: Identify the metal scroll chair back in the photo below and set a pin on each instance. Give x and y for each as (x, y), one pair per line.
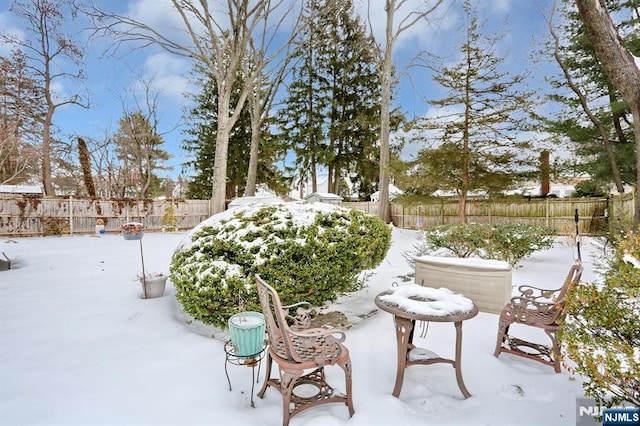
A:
(278, 328)
(573, 278)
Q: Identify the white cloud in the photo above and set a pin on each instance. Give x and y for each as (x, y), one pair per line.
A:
(154, 13)
(168, 72)
(496, 6)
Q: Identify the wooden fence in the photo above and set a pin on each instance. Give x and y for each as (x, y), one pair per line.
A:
(594, 214)
(37, 215)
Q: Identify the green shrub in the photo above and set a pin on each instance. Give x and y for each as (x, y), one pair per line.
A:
(590, 188)
(602, 329)
(510, 242)
(307, 252)
(169, 218)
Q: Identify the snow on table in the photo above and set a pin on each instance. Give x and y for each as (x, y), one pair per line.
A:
(421, 300)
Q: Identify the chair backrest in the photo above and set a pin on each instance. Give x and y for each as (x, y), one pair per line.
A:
(573, 277)
(275, 321)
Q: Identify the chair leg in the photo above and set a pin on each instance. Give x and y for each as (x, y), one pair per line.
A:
(288, 379)
(503, 329)
(267, 376)
(347, 376)
(555, 350)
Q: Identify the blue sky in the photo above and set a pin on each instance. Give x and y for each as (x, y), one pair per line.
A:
(113, 82)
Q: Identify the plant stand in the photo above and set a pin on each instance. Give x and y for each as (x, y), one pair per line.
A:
(249, 361)
(135, 231)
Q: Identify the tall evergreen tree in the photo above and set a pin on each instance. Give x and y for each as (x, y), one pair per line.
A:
(354, 88)
(302, 120)
(202, 146)
(593, 114)
(333, 105)
(139, 150)
(482, 113)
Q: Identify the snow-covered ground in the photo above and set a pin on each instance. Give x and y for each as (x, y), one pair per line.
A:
(80, 347)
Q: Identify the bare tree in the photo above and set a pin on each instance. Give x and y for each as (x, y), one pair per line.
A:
(20, 105)
(619, 64)
(385, 63)
(219, 40)
(46, 54)
(17, 158)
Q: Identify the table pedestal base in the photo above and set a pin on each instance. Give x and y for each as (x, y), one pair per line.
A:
(404, 335)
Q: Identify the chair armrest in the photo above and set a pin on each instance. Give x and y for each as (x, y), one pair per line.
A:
(534, 293)
(302, 318)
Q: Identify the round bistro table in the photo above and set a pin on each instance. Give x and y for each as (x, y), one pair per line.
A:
(408, 353)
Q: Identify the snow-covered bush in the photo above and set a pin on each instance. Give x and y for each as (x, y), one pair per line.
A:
(602, 330)
(510, 242)
(306, 251)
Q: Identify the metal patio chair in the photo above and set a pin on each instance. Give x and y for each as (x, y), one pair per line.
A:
(538, 308)
(301, 354)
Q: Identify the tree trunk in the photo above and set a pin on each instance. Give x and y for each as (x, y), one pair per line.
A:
(252, 173)
(620, 66)
(46, 155)
(462, 207)
(385, 120)
(314, 174)
(219, 181)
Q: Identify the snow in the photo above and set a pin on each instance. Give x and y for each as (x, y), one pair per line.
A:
(247, 320)
(632, 260)
(437, 302)
(472, 262)
(80, 347)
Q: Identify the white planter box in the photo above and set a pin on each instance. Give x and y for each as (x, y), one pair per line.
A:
(486, 282)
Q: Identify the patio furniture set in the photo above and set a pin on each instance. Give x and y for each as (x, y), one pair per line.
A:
(301, 353)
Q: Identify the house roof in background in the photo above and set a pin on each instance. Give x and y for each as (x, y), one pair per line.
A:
(324, 196)
(20, 189)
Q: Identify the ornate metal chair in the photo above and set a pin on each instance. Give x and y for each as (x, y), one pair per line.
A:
(539, 308)
(297, 349)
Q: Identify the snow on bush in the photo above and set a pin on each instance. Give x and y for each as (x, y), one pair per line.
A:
(306, 251)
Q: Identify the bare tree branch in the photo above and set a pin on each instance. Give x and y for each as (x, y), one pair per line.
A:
(220, 43)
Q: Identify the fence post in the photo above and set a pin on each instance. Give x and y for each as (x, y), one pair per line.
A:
(70, 214)
(546, 213)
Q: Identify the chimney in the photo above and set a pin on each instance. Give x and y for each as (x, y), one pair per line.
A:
(544, 173)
